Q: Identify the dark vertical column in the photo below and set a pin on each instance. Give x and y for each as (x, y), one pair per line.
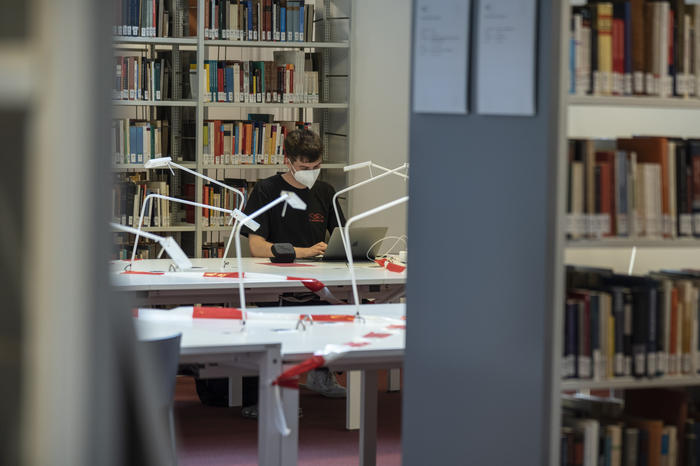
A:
(482, 225)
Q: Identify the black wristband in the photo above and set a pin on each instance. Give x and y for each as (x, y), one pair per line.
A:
(283, 253)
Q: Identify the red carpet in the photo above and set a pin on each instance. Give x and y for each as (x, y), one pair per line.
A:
(211, 436)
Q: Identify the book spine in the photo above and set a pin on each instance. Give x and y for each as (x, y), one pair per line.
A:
(640, 338)
(571, 340)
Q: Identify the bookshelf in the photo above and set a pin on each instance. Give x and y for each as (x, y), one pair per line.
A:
(277, 45)
(633, 243)
(154, 103)
(612, 116)
(634, 101)
(331, 31)
(623, 383)
(608, 117)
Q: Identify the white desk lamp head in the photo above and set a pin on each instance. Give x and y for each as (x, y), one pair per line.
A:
(169, 245)
(289, 198)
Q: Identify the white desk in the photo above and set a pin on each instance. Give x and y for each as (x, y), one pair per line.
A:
(221, 341)
(263, 282)
(216, 347)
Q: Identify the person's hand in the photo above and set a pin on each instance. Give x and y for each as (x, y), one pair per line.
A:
(315, 250)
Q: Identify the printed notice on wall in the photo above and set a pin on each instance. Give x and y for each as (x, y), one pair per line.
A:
(505, 57)
(440, 56)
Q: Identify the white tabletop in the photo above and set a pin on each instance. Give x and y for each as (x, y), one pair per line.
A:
(259, 273)
(206, 336)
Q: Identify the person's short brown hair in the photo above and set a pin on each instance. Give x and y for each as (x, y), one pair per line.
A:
(303, 145)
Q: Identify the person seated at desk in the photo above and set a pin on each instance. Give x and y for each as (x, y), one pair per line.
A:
(303, 229)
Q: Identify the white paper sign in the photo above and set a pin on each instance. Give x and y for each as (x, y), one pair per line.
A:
(505, 57)
(440, 56)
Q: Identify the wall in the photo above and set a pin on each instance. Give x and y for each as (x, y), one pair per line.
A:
(380, 72)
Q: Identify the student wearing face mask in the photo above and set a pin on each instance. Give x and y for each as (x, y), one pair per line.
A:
(303, 229)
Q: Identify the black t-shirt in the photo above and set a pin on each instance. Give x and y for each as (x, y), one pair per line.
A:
(301, 228)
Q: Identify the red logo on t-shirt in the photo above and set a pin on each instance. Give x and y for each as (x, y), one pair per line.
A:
(316, 218)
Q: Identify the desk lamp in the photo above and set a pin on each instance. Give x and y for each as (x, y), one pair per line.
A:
(348, 250)
(167, 162)
(169, 245)
(370, 164)
(289, 198)
(235, 214)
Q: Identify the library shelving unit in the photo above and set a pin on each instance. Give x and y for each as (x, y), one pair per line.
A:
(595, 116)
(331, 30)
(622, 383)
(633, 243)
(603, 116)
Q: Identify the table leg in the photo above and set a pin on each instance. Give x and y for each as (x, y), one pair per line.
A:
(269, 438)
(352, 402)
(235, 391)
(368, 422)
(394, 384)
(290, 444)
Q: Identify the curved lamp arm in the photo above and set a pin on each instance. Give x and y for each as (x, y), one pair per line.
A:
(167, 162)
(233, 213)
(348, 251)
(393, 171)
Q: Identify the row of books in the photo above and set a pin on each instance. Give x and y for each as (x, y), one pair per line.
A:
(633, 443)
(217, 196)
(135, 141)
(123, 248)
(291, 78)
(634, 187)
(635, 47)
(141, 18)
(259, 20)
(128, 197)
(650, 427)
(624, 326)
(139, 78)
(213, 250)
(248, 142)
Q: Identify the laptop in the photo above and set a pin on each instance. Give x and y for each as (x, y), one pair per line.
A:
(361, 240)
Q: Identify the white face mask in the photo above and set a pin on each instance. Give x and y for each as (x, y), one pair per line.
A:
(306, 177)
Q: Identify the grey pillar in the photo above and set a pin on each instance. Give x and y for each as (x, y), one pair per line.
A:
(479, 378)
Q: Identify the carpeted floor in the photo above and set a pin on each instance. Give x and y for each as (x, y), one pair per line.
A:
(210, 436)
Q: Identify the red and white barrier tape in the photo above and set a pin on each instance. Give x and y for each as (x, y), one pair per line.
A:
(390, 265)
(319, 288)
(290, 377)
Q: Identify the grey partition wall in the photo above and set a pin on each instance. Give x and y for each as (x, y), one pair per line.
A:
(485, 277)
